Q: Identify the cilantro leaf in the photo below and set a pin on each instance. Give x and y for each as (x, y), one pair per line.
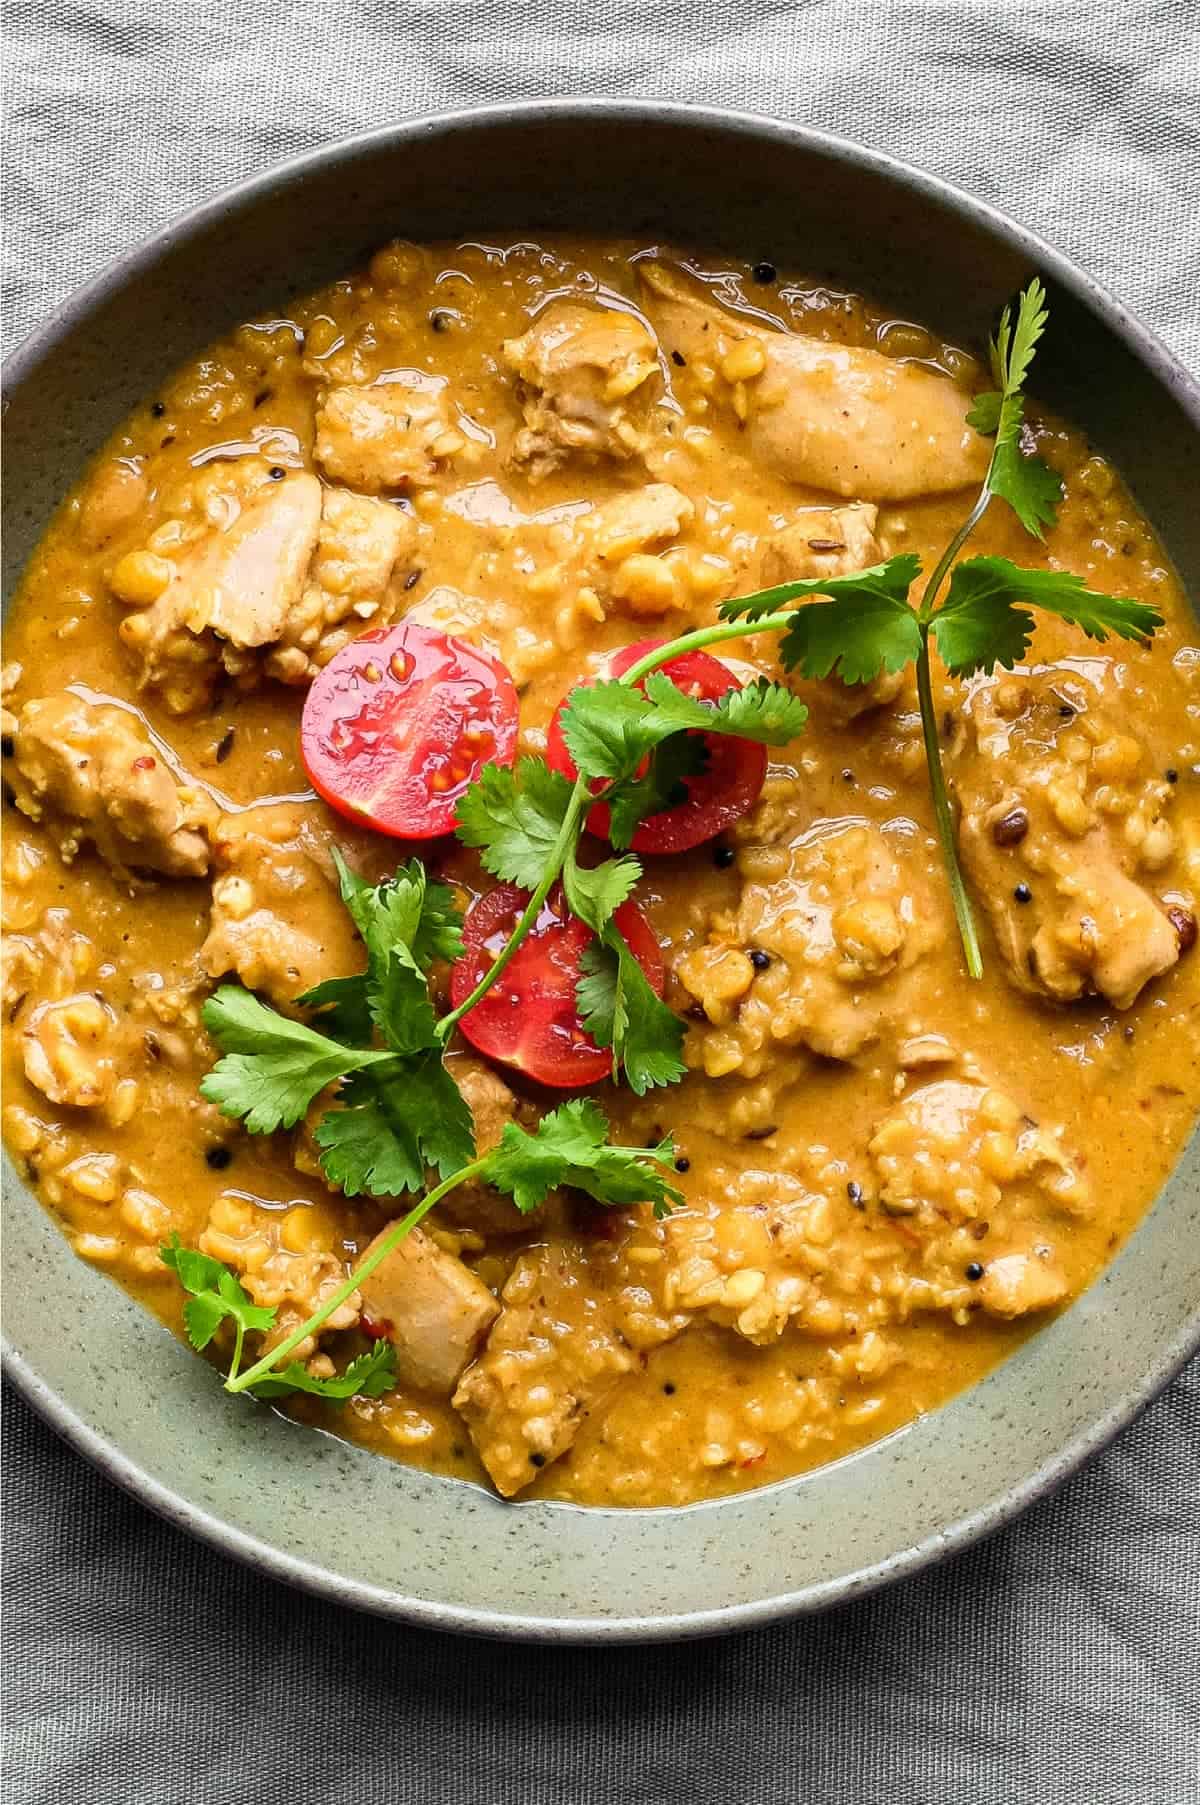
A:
(611, 727)
(439, 930)
(273, 1066)
(892, 580)
(1026, 482)
(570, 1146)
(399, 1002)
(368, 1376)
(195, 1271)
(619, 1009)
(763, 711)
(393, 1122)
(404, 913)
(857, 633)
(1013, 347)
(367, 1145)
(514, 817)
(660, 786)
(864, 627)
(982, 622)
(214, 1294)
(202, 1317)
(595, 895)
(405, 923)
(605, 727)
(438, 1112)
(344, 1012)
(984, 412)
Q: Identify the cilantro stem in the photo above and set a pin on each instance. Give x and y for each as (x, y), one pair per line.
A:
(943, 814)
(568, 833)
(705, 636)
(239, 1338)
(364, 1269)
(947, 834)
(942, 568)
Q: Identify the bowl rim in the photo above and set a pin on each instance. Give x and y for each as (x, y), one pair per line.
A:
(309, 1576)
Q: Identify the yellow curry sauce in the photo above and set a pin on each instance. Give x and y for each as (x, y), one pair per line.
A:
(891, 1172)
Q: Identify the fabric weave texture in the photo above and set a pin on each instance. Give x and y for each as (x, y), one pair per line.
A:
(1055, 1664)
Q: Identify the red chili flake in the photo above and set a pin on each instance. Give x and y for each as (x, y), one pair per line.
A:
(145, 763)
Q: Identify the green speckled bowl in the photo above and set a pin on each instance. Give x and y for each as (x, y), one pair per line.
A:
(366, 1531)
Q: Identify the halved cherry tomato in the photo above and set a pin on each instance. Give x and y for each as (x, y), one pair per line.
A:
(399, 723)
(529, 1019)
(718, 796)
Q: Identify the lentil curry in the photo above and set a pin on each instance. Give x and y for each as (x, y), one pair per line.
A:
(549, 451)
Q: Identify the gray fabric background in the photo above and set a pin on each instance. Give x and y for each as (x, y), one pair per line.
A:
(1055, 1663)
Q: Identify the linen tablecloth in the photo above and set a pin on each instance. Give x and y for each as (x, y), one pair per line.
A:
(1058, 1661)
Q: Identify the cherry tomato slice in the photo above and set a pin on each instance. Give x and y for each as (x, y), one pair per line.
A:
(717, 796)
(529, 1019)
(399, 723)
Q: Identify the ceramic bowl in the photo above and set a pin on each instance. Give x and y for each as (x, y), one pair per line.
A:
(366, 1531)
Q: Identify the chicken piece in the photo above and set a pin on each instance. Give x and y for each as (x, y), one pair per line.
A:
(493, 1106)
(1062, 821)
(286, 1262)
(260, 575)
(388, 436)
(822, 542)
(830, 542)
(92, 774)
(72, 1051)
(229, 592)
(835, 417)
(633, 522)
(359, 544)
(277, 919)
(982, 1191)
(585, 382)
(433, 1310)
(840, 916)
(21, 963)
(567, 1333)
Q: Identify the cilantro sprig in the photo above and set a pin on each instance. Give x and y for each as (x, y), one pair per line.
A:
(398, 1112)
(868, 622)
(1031, 489)
(632, 748)
(570, 1146)
(216, 1295)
